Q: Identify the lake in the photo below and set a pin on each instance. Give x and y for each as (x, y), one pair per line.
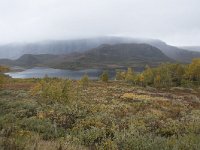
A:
(40, 72)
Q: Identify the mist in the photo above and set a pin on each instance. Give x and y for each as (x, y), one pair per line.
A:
(176, 22)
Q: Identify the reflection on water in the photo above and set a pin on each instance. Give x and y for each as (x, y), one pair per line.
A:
(40, 72)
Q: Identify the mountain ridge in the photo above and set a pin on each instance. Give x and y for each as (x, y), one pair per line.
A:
(192, 48)
(64, 47)
(104, 56)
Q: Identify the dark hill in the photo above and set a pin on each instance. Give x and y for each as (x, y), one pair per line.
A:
(104, 56)
(116, 56)
(65, 47)
(29, 60)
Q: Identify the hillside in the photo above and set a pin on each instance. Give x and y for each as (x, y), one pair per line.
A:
(178, 54)
(14, 51)
(60, 47)
(100, 115)
(29, 60)
(192, 48)
(117, 56)
(104, 56)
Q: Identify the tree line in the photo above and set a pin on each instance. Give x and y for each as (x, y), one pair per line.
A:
(165, 75)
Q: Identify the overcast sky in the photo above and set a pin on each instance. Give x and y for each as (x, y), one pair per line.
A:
(175, 21)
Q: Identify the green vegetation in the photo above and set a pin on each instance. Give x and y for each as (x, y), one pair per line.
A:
(165, 75)
(2, 76)
(84, 81)
(59, 114)
(104, 77)
(3, 69)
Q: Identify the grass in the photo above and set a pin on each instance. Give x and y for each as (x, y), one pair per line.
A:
(113, 115)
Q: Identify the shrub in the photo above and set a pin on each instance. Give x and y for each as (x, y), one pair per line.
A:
(129, 75)
(104, 76)
(84, 81)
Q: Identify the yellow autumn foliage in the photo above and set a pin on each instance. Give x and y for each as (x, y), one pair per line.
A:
(134, 96)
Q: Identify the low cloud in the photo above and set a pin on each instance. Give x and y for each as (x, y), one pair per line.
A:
(176, 22)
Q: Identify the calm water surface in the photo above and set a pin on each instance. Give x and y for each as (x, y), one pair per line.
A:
(40, 72)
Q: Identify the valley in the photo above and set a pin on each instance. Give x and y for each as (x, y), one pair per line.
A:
(99, 75)
(157, 108)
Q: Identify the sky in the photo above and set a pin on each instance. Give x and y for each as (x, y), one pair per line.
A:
(176, 22)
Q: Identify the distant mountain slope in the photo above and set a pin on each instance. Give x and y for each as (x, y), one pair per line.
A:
(178, 54)
(104, 56)
(14, 51)
(29, 60)
(192, 48)
(116, 56)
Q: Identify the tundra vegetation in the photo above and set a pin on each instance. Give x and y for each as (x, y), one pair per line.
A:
(156, 109)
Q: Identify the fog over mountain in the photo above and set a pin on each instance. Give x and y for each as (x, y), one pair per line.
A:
(103, 56)
(62, 27)
(176, 22)
(14, 51)
(59, 47)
